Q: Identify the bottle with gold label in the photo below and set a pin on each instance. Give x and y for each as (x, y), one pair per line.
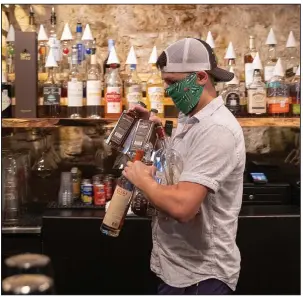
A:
(256, 104)
(295, 94)
(277, 93)
(155, 91)
(133, 88)
(120, 203)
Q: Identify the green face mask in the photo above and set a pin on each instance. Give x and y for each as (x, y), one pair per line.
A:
(185, 93)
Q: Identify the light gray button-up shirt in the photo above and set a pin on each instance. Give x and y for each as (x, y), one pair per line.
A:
(211, 144)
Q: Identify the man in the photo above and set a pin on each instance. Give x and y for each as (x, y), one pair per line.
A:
(195, 252)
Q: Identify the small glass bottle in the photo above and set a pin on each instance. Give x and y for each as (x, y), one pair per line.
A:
(277, 93)
(51, 95)
(133, 88)
(113, 93)
(75, 88)
(231, 95)
(295, 94)
(256, 104)
(53, 42)
(93, 91)
(248, 60)
(155, 92)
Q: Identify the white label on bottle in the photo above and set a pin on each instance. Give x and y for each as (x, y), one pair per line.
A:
(6, 101)
(256, 101)
(93, 92)
(156, 95)
(117, 207)
(268, 72)
(134, 95)
(249, 73)
(113, 100)
(75, 93)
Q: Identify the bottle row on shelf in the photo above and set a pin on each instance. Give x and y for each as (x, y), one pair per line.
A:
(74, 86)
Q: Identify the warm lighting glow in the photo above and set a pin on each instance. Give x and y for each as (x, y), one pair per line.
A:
(6, 5)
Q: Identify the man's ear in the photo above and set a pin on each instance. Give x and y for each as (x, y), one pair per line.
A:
(202, 78)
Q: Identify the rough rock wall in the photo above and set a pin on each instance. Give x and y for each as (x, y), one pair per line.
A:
(144, 26)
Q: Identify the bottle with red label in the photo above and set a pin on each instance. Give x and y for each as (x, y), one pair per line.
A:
(113, 93)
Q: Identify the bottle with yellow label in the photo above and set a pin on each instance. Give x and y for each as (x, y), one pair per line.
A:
(155, 91)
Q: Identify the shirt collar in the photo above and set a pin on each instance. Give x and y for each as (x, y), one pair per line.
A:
(209, 109)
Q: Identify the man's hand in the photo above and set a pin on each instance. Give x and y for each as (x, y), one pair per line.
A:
(144, 114)
(138, 173)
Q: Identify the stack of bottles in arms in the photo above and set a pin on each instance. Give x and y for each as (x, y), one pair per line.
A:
(72, 84)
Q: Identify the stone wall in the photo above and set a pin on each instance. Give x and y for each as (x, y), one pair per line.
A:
(144, 26)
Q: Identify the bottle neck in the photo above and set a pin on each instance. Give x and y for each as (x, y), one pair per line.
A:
(271, 51)
(231, 62)
(31, 19)
(74, 58)
(51, 75)
(252, 44)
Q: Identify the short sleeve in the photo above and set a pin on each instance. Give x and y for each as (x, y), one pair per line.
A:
(211, 157)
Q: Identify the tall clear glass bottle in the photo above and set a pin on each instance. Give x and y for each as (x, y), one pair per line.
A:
(53, 42)
(256, 104)
(155, 92)
(270, 62)
(248, 60)
(93, 90)
(133, 88)
(291, 63)
(75, 89)
(113, 93)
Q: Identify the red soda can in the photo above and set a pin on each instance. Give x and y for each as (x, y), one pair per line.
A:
(99, 194)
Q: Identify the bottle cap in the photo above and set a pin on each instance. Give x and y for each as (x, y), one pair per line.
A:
(291, 41)
(66, 34)
(11, 34)
(235, 80)
(113, 58)
(42, 36)
(79, 27)
(298, 71)
(139, 155)
(87, 35)
(271, 38)
(210, 40)
(50, 61)
(153, 57)
(278, 70)
(257, 62)
(131, 58)
(230, 53)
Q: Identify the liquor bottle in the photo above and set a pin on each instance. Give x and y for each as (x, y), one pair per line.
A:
(295, 94)
(87, 39)
(292, 61)
(66, 49)
(10, 51)
(256, 104)
(42, 50)
(248, 59)
(231, 95)
(120, 203)
(132, 88)
(277, 93)
(75, 88)
(51, 95)
(155, 91)
(53, 42)
(80, 45)
(93, 92)
(31, 23)
(113, 92)
(271, 56)
(6, 105)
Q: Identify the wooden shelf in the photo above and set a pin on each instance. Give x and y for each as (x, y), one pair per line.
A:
(51, 123)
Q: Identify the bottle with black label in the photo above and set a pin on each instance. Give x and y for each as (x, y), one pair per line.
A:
(51, 89)
(6, 90)
(232, 96)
